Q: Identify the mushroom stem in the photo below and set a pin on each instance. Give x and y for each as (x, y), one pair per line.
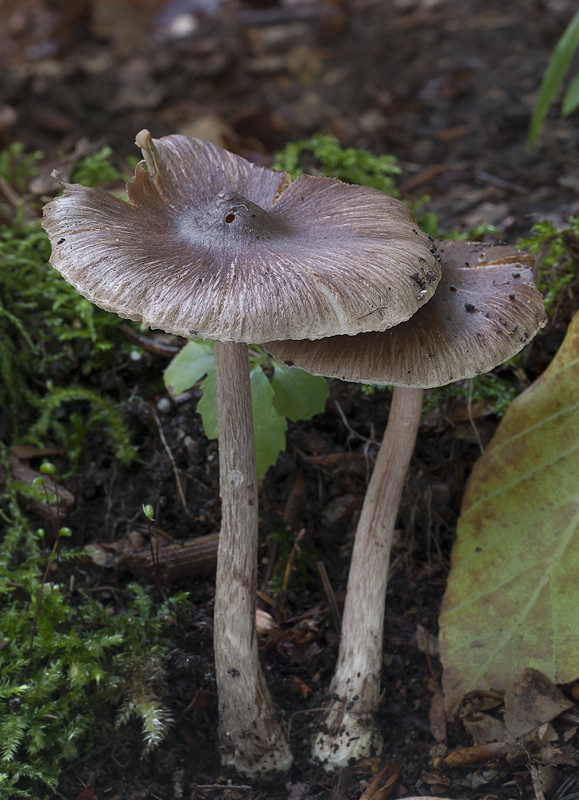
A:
(351, 731)
(250, 738)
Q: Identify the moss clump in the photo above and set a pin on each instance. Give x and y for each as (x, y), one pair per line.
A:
(323, 155)
(61, 655)
(557, 252)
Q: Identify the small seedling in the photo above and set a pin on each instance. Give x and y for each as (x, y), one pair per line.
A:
(290, 394)
(149, 513)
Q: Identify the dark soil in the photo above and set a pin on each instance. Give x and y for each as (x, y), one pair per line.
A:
(448, 89)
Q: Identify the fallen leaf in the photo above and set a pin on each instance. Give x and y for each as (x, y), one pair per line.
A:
(538, 746)
(427, 642)
(26, 451)
(300, 687)
(483, 728)
(474, 755)
(437, 716)
(532, 701)
(340, 508)
(511, 600)
(353, 463)
(86, 794)
(382, 786)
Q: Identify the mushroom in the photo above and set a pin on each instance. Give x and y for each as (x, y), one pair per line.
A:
(485, 309)
(210, 246)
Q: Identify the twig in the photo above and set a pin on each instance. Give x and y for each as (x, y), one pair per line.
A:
(9, 192)
(153, 346)
(354, 434)
(221, 786)
(368, 440)
(536, 779)
(155, 560)
(291, 559)
(331, 597)
(500, 183)
(383, 784)
(173, 462)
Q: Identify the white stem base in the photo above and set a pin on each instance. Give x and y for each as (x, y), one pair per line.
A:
(349, 738)
(250, 737)
(350, 728)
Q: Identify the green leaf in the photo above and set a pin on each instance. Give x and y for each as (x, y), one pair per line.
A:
(571, 97)
(194, 361)
(298, 395)
(269, 426)
(556, 69)
(207, 405)
(511, 601)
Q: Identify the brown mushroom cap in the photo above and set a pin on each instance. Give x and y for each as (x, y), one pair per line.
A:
(485, 309)
(214, 247)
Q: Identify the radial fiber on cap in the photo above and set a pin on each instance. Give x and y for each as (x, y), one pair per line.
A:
(482, 314)
(214, 247)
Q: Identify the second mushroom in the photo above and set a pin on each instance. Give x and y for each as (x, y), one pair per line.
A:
(486, 308)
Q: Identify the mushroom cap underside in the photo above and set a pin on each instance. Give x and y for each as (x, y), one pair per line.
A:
(211, 246)
(485, 309)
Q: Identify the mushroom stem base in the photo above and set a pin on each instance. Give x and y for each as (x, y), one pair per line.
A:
(351, 732)
(348, 738)
(251, 739)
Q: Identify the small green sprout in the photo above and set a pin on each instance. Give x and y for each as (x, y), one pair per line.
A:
(47, 468)
(291, 394)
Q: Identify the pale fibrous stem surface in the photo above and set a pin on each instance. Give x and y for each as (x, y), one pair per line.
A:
(351, 731)
(250, 737)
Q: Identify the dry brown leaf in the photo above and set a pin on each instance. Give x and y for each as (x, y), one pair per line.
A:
(532, 701)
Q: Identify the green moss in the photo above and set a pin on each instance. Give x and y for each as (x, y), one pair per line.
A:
(51, 338)
(61, 656)
(557, 252)
(66, 661)
(17, 167)
(323, 155)
(489, 388)
(74, 432)
(96, 170)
